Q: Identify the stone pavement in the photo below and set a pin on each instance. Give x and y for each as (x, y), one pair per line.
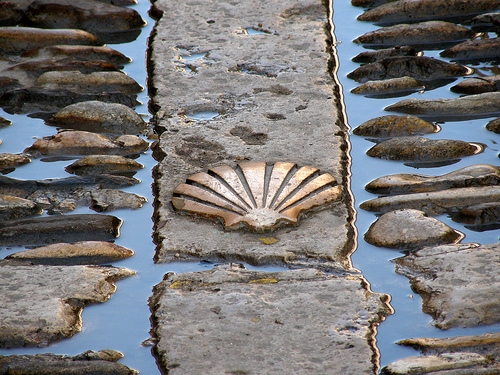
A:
(253, 168)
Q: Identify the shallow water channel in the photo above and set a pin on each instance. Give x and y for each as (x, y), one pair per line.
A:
(122, 323)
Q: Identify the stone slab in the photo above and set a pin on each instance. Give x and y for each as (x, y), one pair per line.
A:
(43, 304)
(275, 101)
(230, 320)
(459, 284)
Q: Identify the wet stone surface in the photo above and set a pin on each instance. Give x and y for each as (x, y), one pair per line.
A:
(45, 302)
(394, 126)
(459, 284)
(398, 86)
(410, 229)
(281, 94)
(380, 54)
(241, 321)
(87, 363)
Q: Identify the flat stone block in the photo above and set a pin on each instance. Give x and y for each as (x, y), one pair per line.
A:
(247, 82)
(230, 320)
(459, 284)
(43, 304)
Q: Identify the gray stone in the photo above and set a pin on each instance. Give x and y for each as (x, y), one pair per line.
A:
(53, 229)
(395, 126)
(459, 109)
(424, 10)
(423, 149)
(474, 50)
(424, 33)
(109, 199)
(459, 284)
(227, 80)
(380, 54)
(89, 15)
(79, 53)
(494, 126)
(89, 83)
(240, 322)
(480, 214)
(8, 162)
(410, 229)
(15, 207)
(487, 22)
(436, 364)
(477, 85)
(16, 40)
(99, 117)
(69, 142)
(435, 202)
(45, 302)
(88, 363)
(66, 194)
(103, 164)
(404, 183)
(417, 67)
(71, 254)
(36, 99)
(388, 86)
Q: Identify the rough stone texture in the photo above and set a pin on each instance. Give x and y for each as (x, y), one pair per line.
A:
(494, 126)
(236, 321)
(457, 109)
(8, 162)
(487, 22)
(79, 53)
(403, 183)
(275, 84)
(52, 229)
(422, 149)
(103, 164)
(459, 284)
(388, 86)
(477, 85)
(372, 56)
(481, 216)
(99, 117)
(15, 207)
(394, 126)
(435, 202)
(88, 363)
(436, 364)
(110, 199)
(43, 304)
(410, 229)
(424, 33)
(418, 67)
(423, 10)
(474, 50)
(78, 253)
(84, 143)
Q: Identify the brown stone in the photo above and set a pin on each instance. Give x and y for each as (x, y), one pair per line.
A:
(380, 54)
(388, 86)
(8, 162)
(477, 85)
(474, 50)
(15, 207)
(494, 126)
(102, 164)
(395, 126)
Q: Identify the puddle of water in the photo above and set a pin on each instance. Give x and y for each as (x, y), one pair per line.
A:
(408, 320)
(194, 56)
(252, 31)
(203, 115)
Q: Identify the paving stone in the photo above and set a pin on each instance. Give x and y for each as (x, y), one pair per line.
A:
(459, 284)
(43, 304)
(388, 86)
(88, 363)
(435, 202)
(474, 50)
(104, 164)
(478, 85)
(78, 253)
(15, 207)
(232, 320)
(274, 105)
(410, 229)
(404, 183)
(380, 54)
(8, 162)
(395, 126)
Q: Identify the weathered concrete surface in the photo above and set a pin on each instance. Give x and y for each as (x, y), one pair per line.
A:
(78, 253)
(43, 304)
(275, 84)
(230, 320)
(459, 284)
(410, 229)
(88, 363)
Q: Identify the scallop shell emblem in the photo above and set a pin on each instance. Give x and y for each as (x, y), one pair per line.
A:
(256, 195)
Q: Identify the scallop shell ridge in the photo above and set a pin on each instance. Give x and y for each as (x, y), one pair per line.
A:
(256, 195)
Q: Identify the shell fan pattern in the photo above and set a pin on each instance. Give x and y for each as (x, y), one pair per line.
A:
(255, 195)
